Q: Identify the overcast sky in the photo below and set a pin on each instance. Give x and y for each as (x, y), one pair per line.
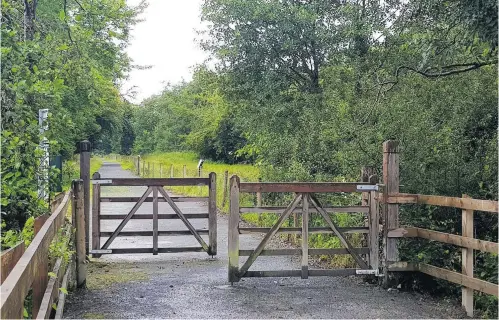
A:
(166, 42)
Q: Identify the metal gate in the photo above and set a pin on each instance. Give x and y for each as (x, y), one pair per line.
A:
(155, 186)
(304, 195)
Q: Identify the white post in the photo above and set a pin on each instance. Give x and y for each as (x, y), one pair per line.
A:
(43, 176)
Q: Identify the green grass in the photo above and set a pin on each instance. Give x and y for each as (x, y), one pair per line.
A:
(162, 163)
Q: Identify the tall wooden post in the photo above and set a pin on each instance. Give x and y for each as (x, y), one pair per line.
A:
(373, 223)
(365, 173)
(96, 215)
(233, 236)
(212, 214)
(79, 225)
(467, 260)
(85, 176)
(391, 180)
(41, 281)
(225, 185)
(304, 237)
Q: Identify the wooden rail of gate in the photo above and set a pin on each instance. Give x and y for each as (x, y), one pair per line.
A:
(467, 242)
(23, 269)
(304, 192)
(156, 187)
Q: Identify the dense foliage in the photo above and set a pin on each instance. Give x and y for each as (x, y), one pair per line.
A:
(67, 56)
(309, 90)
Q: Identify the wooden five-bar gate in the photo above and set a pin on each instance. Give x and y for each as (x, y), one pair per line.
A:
(155, 186)
(304, 203)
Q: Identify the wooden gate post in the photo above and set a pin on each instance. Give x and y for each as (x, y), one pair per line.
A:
(467, 260)
(85, 176)
(212, 214)
(233, 236)
(391, 180)
(96, 215)
(79, 225)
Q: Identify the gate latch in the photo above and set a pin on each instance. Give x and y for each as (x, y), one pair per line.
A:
(367, 187)
(101, 181)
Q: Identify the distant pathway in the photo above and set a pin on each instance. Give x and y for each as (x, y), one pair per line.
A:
(192, 285)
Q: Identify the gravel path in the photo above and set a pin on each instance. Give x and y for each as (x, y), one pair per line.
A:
(193, 285)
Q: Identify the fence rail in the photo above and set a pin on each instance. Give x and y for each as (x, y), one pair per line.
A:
(31, 269)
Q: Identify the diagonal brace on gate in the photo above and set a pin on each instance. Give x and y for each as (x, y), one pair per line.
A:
(339, 234)
(270, 234)
(184, 219)
(127, 218)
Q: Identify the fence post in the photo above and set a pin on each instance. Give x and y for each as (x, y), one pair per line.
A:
(233, 236)
(391, 180)
(373, 223)
(79, 225)
(365, 173)
(85, 176)
(467, 260)
(225, 184)
(95, 216)
(212, 214)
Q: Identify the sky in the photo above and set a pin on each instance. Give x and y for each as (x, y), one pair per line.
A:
(165, 40)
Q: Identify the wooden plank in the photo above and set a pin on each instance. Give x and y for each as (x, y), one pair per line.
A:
(62, 296)
(45, 308)
(297, 273)
(292, 230)
(212, 220)
(454, 239)
(304, 238)
(127, 218)
(336, 230)
(157, 182)
(467, 260)
(42, 278)
(404, 232)
(184, 219)
(151, 233)
(311, 252)
(9, 259)
(155, 221)
(225, 186)
(373, 235)
(95, 215)
(233, 234)
(150, 199)
(79, 225)
(353, 209)
(149, 216)
(300, 186)
(270, 234)
(150, 250)
(15, 287)
(460, 203)
(458, 278)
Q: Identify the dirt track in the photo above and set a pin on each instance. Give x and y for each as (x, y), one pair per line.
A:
(192, 285)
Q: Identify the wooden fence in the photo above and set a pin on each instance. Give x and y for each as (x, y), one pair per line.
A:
(25, 269)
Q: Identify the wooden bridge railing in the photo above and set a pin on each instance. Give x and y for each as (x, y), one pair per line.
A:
(27, 268)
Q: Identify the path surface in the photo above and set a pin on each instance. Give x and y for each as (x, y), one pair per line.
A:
(192, 285)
